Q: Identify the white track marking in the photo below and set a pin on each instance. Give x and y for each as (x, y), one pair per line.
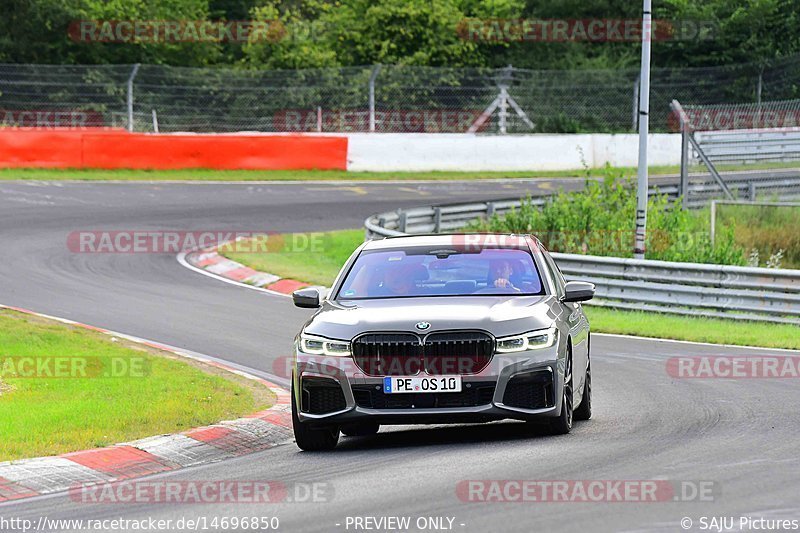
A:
(182, 260)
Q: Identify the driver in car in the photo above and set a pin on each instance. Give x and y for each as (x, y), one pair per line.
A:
(500, 273)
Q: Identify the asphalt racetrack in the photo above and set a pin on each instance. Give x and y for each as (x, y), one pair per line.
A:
(737, 436)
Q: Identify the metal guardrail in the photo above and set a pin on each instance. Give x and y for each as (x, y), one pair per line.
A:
(762, 294)
(748, 293)
(750, 146)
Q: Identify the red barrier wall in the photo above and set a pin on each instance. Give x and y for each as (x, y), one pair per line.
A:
(35, 148)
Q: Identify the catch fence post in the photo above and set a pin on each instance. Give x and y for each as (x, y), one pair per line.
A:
(130, 95)
(375, 70)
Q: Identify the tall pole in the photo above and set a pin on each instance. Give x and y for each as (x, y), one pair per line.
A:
(644, 125)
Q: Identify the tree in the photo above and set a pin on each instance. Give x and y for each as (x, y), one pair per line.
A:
(38, 31)
(362, 32)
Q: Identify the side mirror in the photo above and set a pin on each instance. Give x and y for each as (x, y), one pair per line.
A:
(307, 298)
(578, 291)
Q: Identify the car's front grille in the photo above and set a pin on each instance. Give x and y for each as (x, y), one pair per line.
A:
(457, 352)
(473, 394)
(321, 395)
(533, 390)
(406, 354)
(388, 354)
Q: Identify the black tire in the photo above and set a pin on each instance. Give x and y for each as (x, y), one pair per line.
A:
(584, 410)
(363, 429)
(312, 440)
(563, 423)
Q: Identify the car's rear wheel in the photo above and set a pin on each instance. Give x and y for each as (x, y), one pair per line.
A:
(563, 423)
(584, 410)
(312, 439)
(362, 429)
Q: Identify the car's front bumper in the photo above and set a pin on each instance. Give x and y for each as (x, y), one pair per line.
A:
(349, 396)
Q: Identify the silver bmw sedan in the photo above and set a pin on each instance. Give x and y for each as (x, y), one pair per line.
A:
(435, 329)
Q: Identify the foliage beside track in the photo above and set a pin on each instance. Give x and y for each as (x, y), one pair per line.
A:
(320, 266)
(600, 220)
(769, 233)
(319, 33)
(158, 393)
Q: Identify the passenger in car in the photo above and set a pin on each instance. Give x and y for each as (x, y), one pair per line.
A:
(401, 281)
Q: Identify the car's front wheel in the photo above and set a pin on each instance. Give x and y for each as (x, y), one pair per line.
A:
(311, 439)
(584, 410)
(563, 423)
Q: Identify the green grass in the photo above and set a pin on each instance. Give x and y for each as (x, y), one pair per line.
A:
(770, 230)
(261, 175)
(42, 416)
(197, 174)
(311, 257)
(320, 266)
(697, 329)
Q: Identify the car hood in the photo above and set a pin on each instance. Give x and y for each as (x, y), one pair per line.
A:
(499, 315)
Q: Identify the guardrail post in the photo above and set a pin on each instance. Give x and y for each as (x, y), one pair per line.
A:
(437, 219)
(713, 221)
(403, 221)
(490, 209)
(752, 191)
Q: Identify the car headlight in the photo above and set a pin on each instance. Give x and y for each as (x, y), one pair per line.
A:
(532, 340)
(321, 346)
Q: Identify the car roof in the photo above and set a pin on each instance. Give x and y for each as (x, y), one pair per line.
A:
(489, 240)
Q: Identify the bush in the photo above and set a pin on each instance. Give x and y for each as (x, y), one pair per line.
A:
(600, 220)
(769, 231)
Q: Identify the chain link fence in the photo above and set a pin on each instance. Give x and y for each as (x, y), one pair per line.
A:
(372, 98)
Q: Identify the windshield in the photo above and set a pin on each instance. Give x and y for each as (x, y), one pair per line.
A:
(438, 272)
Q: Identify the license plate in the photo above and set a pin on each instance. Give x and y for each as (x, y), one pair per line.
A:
(396, 385)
